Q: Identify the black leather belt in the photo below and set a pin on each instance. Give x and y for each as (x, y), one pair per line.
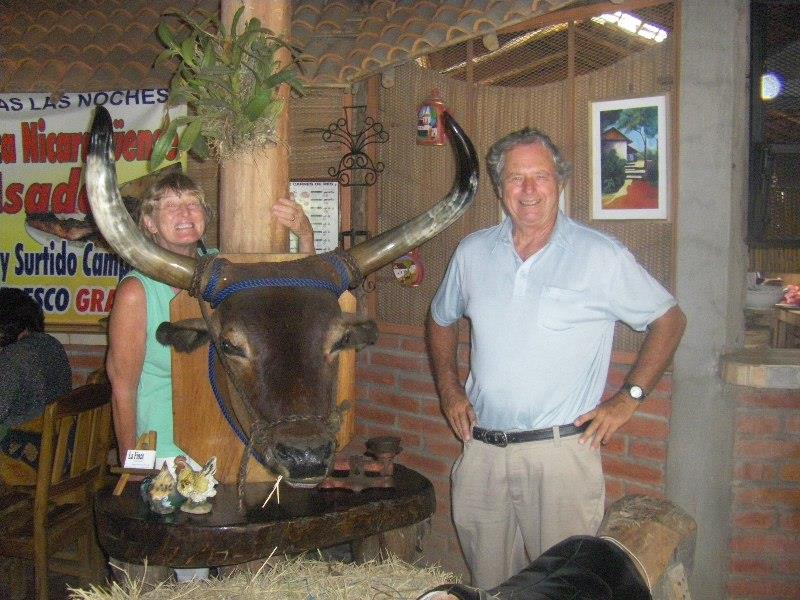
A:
(504, 438)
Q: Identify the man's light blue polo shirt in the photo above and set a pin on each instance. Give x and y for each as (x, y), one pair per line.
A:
(542, 329)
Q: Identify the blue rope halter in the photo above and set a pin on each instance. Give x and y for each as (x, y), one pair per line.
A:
(215, 298)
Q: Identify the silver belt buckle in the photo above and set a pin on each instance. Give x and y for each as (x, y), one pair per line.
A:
(497, 438)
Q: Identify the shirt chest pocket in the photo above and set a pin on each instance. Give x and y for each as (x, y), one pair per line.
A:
(562, 309)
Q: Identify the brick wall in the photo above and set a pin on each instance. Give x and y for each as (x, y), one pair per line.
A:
(765, 511)
(396, 396)
(634, 461)
(84, 359)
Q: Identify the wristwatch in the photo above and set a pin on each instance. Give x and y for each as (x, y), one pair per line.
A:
(634, 391)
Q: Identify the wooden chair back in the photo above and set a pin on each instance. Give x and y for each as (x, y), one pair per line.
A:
(76, 432)
(57, 513)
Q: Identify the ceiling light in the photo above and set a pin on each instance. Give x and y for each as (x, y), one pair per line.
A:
(771, 86)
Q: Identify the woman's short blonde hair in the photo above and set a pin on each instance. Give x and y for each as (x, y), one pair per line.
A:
(177, 183)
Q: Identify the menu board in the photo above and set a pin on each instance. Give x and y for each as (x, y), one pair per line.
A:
(320, 201)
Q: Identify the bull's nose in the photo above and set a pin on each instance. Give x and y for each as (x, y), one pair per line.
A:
(303, 462)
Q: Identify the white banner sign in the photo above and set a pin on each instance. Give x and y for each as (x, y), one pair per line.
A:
(49, 245)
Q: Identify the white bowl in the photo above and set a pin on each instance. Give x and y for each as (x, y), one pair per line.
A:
(760, 297)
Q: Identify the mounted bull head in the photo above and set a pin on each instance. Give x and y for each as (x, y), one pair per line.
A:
(276, 326)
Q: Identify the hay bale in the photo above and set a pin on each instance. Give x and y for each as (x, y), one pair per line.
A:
(299, 578)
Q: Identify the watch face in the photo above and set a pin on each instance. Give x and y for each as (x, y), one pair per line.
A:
(636, 392)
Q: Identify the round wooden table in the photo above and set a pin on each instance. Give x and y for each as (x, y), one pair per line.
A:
(304, 520)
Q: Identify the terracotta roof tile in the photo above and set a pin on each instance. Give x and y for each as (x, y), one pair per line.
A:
(306, 13)
(406, 42)
(136, 71)
(47, 18)
(356, 56)
(417, 26)
(78, 71)
(100, 44)
(382, 7)
(389, 36)
(95, 17)
(94, 54)
(35, 34)
(426, 14)
(347, 72)
(469, 21)
(335, 12)
(53, 70)
(27, 72)
(435, 35)
(422, 47)
(390, 32)
(107, 34)
(446, 14)
(301, 33)
(372, 25)
(319, 47)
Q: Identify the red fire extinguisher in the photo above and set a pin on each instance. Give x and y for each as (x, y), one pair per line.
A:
(430, 121)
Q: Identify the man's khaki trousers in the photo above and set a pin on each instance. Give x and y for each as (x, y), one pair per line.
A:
(511, 504)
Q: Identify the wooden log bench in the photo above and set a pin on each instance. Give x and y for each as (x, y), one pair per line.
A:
(660, 538)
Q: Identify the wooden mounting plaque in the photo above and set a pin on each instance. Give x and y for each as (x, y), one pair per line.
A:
(200, 427)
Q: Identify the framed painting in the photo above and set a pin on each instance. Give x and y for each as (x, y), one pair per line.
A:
(629, 158)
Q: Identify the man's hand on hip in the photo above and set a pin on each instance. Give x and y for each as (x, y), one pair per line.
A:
(459, 413)
(606, 419)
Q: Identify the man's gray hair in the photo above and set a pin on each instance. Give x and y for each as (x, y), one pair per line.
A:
(496, 159)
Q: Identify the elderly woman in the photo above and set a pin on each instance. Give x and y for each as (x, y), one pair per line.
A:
(174, 215)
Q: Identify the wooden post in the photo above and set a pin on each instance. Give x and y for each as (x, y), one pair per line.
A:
(250, 185)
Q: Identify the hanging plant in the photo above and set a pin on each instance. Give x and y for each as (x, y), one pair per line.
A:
(229, 80)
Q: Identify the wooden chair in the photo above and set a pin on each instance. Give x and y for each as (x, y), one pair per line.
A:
(55, 515)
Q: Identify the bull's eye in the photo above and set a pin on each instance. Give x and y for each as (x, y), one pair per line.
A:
(231, 349)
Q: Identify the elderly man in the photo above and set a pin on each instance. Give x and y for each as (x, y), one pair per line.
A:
(542, 293)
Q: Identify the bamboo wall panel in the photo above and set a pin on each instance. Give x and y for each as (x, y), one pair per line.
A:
(417, 176)
(775, 260)
(310, 156)
(647, 73)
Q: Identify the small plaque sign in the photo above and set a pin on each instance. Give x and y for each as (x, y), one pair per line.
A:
(140, 459)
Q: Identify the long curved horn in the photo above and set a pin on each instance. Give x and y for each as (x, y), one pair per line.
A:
(113, 219)
(384, 248)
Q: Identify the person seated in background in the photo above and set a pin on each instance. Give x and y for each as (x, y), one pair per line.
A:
(34, 371)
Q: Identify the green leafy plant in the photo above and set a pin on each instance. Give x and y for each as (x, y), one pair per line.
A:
(229, 80)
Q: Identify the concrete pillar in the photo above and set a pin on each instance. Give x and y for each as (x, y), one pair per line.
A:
(711, 263)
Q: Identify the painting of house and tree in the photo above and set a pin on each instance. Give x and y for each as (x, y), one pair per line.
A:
(629, 174)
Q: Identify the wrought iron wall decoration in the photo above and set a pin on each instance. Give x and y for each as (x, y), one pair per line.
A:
(356, 167)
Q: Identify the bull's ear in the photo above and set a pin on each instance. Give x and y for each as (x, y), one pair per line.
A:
(184, 336)
(357, 335)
